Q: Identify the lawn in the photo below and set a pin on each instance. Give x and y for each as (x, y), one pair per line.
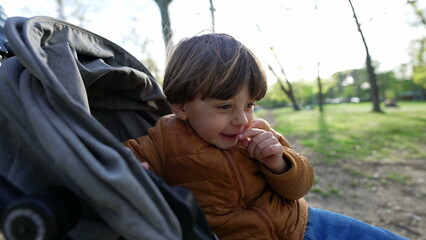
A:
(353, 132)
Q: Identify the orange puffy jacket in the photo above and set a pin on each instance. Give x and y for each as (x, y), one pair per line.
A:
(241, 198)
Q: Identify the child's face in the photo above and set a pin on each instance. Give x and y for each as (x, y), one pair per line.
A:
(219, 121)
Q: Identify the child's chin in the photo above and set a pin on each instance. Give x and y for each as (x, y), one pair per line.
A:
(226, 146)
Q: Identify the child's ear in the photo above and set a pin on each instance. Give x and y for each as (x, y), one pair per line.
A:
(179, 110)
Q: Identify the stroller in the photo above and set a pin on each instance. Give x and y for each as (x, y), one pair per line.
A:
(68, 98)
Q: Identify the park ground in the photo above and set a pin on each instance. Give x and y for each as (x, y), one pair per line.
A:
(383, 192)
(362, 191)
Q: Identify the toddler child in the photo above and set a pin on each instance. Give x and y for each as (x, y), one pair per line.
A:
(246, 177)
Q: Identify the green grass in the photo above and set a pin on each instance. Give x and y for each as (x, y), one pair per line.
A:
(399, 177)
(352, 131)
(326, 193)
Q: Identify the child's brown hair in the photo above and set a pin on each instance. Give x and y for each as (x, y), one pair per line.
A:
(215, 66)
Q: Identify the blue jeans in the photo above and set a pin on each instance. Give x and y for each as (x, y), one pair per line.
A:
(325, 225)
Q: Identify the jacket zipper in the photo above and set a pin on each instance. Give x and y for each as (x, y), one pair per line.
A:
(263, 216)
(236, 175)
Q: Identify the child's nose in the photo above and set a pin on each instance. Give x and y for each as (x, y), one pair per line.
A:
(240, 119)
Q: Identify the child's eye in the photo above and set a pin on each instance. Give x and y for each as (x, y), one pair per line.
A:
(225, 106)
(250, 105)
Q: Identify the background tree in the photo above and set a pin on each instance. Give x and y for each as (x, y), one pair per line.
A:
(74, 9)
(419, 68)
(320, 95)
(142, 44)
(61, 14)
(319, 84)
(163, 5)
(275, 98)
(287, 88)
(374, 91)
(212, 9)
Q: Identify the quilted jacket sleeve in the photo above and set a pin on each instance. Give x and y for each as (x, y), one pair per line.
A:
(298, 180)
(148, 149)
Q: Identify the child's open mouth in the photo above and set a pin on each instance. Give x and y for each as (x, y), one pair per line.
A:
(230, 136)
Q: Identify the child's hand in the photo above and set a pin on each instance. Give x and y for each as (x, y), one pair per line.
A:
(263, 146)
(145, 165)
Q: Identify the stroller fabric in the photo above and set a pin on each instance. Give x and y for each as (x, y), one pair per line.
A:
(67, 99)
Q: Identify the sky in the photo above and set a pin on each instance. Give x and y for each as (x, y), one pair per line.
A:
(302, 33)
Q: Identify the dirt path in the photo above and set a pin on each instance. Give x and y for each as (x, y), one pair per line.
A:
(389, 195)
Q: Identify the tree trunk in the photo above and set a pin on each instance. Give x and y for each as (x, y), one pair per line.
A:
(373, 82)
(288, 91)
(374, 91)
(61, 15)
(212, 9)
(290, 94)
(163, 5)
(320, 96)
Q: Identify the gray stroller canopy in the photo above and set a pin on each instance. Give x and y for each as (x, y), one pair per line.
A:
(68, 98)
